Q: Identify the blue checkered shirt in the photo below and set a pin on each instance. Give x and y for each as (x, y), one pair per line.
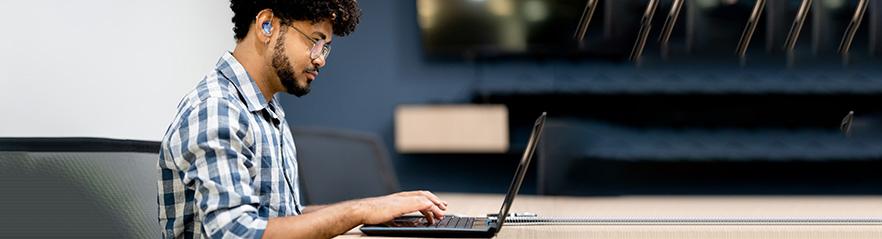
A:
(227, 162)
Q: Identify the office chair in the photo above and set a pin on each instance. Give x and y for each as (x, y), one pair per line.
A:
(337, 165)
(78, 188)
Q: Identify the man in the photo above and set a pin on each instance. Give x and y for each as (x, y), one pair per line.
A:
(228, 164)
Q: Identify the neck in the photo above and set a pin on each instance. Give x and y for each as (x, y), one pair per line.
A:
(252, 56)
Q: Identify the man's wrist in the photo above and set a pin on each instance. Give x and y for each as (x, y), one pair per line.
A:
(357, 210)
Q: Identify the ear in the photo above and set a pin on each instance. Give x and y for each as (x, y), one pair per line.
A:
(265, 26)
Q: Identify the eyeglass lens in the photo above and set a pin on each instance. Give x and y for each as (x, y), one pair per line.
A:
(320, 50)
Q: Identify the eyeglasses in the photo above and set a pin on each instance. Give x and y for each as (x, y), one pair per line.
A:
(319, 48)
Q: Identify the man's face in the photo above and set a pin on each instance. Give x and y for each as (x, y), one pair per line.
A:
(291, 58)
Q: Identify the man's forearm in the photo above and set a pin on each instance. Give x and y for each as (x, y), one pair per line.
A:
(313, 208)
(325, 221)
(333, 220)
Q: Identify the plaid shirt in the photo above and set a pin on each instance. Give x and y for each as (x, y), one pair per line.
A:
(227, 162)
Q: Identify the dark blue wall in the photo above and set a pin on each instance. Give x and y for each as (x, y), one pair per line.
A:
(381, 66)
(372, 71)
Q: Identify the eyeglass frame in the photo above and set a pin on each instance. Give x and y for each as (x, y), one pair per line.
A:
(324, 51)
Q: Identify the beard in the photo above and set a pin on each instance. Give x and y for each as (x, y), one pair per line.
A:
(285, 71)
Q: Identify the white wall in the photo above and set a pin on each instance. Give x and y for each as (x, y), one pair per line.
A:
(104, 68)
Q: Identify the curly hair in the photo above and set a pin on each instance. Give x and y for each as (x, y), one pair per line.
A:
(343, 14)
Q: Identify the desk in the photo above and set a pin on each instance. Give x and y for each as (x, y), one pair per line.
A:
(476, 204)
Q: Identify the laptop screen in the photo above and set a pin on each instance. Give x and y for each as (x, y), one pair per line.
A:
(522, 170)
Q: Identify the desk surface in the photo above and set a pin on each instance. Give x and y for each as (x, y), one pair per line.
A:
(477, 204)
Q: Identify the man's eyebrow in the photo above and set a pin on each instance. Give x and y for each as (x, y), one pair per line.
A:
(321, 36)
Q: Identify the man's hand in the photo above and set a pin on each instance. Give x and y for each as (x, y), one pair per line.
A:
(330, 220)
(382, 209)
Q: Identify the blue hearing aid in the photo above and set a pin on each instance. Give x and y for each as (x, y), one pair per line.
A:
(267, 26)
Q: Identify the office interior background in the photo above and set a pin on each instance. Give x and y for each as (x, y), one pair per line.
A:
(687, 117)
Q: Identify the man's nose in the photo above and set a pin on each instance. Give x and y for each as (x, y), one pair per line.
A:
(318, 62)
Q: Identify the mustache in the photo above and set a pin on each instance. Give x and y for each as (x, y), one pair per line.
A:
(311, 69)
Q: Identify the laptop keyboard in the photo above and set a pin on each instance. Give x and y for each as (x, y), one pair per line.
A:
(450, 222)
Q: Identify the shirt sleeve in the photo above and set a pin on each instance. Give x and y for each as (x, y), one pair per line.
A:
(216, 161)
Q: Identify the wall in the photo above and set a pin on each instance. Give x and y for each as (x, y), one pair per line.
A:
(381, 66)
(104, 68)
(117, 69)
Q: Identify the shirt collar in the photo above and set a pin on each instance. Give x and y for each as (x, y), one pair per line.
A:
(236, 73)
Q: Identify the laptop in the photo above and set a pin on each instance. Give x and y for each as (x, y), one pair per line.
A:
(454, 226)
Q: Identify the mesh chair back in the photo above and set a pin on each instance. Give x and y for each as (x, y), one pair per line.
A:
(78, 188)
(337, 165)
